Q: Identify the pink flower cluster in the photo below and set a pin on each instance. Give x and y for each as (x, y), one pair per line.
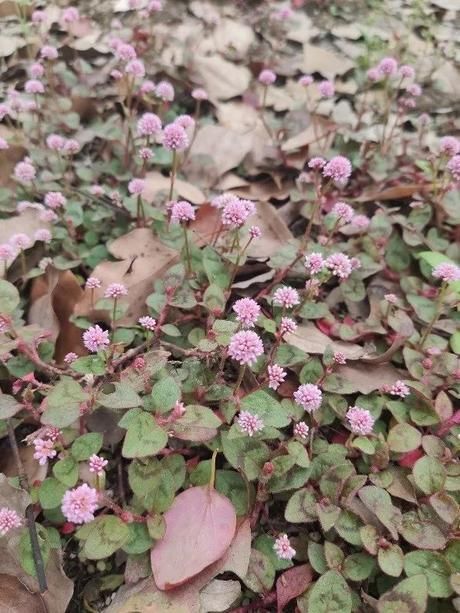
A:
(44, 450)
(276, 376)
(447, 272)
(247, 311)
(248, 423)
(182, 212)
(95, 338)
(236, 211)
(314, 263)
(286, 297)
(343, 211)
(147, 322)
(79, 504)
(399, 388)
(340, 265)
(115, 290)
(309, 397)
(283, 548)
(453, 166)
(287, 326)
(149, 124)
(267, 77)
(301, 430)
(245, 347)
(338, 169)
(360, 421)
(9, 519)
(175, 137)
(97, 464)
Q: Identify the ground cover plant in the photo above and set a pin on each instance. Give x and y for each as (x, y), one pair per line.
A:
(229, 307)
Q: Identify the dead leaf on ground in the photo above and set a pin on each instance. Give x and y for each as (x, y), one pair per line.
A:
(200, 525)
(208, 72)
(27, 222)
(393, 193)
(310, 339)
(143, 258)
(219, 595)
(233, 38)
(328, 63)
(9, 158)
(33, 470)
(366, 378)
(53, 299)
(275, 233)
(291, 584)
(318, 132)
(156, 184)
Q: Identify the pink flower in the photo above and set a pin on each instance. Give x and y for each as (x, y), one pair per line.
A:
(136, 186)
(115, 290)
(286, 296)
(43, 235)
(339, 358)
(414, 90)
(387, 66)
(182, 211)
(71, 146)
(125, 51)
(147, 87)
(373, 74)
(23, 205)
(95, 338)
(245, 347)
(178, 411)
(175, 137)
(44, 450)
(4, 111)
(9, 519)
(25, 171)
(276, 376)
(165, 91)
(326, 89)
(36, 70)
(247, 311)
(135, 68)
(453, 165)
(55, 200)
(343, 211)
(93, 283)
(48, 216)
(447, 272)
(249, 423)
(79, 504)
(316, 163)
(235, 213)
(55, 142)
(406, 71)
(308, 396)
(301, 430)
(47, 52)
(283, 548)
(34, 86)
(3, 144)
(155, 6)
(146, 154)
(220, 201)
(147, 322)
(361, 222)
(283, 14)
(97, 464)
(399, 388)
(38, 16)
(200, 94)
(338, 168)
(116, 74)
(21, 241)
(433, 351)
(70, 15)
(255, 232)
(287, 326)
(339, 264)
(7, 252)
(306, 80)
(149, 124)
(391, 298)
(449, 145)
(70, 357)
(97, 190)
(186, 121)
(267, 77)
(424, 119)
(407, 103)
(360, 421)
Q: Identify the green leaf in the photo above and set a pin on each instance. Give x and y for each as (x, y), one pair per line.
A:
(358, 566)
(144, 437)
(455, 342)
(9, 297)
(379, 502)
(391, 560)
(215, 268)
(66, 471)
(89, 364)
(330, 594)
(63, 403)
(421, 532)
(165, 393)
(261, 573)
(429, 475)
(333, 554)
(397, 255)
(301, 507)
(50, 493)
(348, 527)
(9, 406)
(214, 298)
(353, 289)
(25, 549)
(403, 438)
(139, 539)
(246, 454)
(434, 567)
(153, 483)
(264, 405)
(123, 397)
(86, 445)
(445, 506)
(107, 534)
(410, 595)
(198, 424)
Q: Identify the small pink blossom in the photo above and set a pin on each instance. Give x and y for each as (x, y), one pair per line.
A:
(453, 165)
(276, 376)
(283, 14)
(286, 296)
(433, 351)
(149, 124)
(287, 326)
(391, 298)
(71, 146)
(155, 6)
(343, 211)
(179, 410)
(200, 94)
(360, 221)
(55, 200)
(70, 357)
(267, 77)
(247, 311)
(115, 290)
(306, 80)
(399, 388)
(34, 86)
(360, 421)
(124, 51)
(116, 74)
(245, 347)
(339, 358)
(255, 232)
(79, 504)
(147, 87)
(146, 154)
(70, 15)
(9, 519)
(235, 213)
(186, 121)
(340, 265)
(44, 450)
(308, 396)
(97, 464)
(175, 137)
(406, 71)
(316, 163)
(3, 144)
(165, 91)
(135, 68)
(248, 423)
(4, 111)
(21, 241)
(449, 145)
(387, 67)
(414, 90)
(24, 171)
(338, 169)
(447, 272)
(43, 235)
(55, 142)
(93, 283)
(95, 338)
(7, 252)
(48, 216)
(283, 548)
(301, 430)
(373, 74)
(47, 52)
(136, 186)
(220, 201)
(38, 16)
(326, 89)
(147, 322)
(97, 190)
(182, 211)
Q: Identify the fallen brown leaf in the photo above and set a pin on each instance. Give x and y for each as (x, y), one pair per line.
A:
(366, 378)
(393, 193)
(156, 183)
(328, 63)
(291, 584)
(275, 233)
(208, 71)
(310, 339)
(27, 222)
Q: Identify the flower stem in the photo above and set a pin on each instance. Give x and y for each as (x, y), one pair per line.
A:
(437, 312)
(240, 378)
(187, 253)
(173, 175)
(114, 316)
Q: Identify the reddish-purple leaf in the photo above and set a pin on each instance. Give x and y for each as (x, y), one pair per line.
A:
(200, 526)
(292, 583)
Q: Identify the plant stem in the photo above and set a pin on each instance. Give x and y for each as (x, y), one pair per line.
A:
(187, 253)
(173, 175)
(114, 317)
(240, 378)
(437, 312)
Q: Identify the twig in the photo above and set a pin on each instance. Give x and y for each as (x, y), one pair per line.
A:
(24, 483)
